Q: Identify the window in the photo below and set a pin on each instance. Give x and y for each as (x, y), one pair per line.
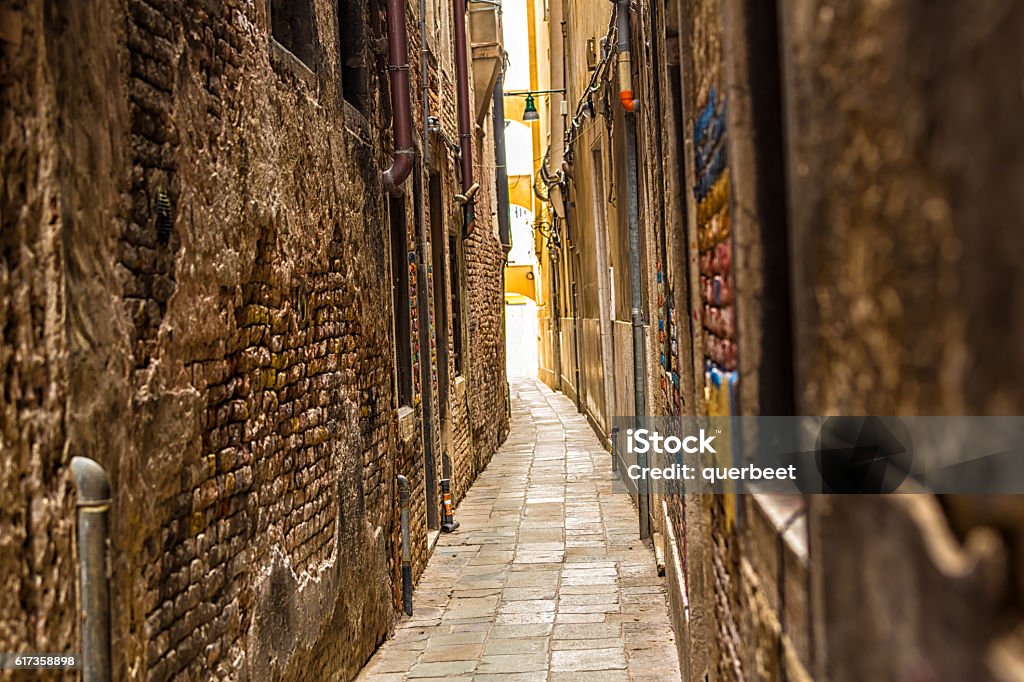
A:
(455, 271)
(291, 23)
(351, 43)
(400, 297)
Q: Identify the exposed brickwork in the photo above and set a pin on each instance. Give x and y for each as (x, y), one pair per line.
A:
(487, 388)
(149, 241)
(222, 235)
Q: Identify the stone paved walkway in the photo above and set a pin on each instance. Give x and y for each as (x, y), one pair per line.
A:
(546, 579)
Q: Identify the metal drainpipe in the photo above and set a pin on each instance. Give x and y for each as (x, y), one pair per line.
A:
(426, 375)
(422, 288)
(555, 320)
(465, 125)
(424, 51)
(614, 436)
(576, 336)
(401, 108)
(404, 497)
(639, 354)
(572, 303)
(557, 344)
(93, 502)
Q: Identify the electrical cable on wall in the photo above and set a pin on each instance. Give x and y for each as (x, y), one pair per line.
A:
(602, 74)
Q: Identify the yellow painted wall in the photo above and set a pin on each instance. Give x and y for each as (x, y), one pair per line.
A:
(520, 191)
(519, 280)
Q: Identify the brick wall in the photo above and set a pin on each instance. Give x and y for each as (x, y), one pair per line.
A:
(195, 291)
(485, 296)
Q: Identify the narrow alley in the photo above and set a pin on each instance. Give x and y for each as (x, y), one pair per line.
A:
(285, 284)
(546, 578)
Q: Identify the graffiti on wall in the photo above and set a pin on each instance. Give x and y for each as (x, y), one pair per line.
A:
(714, 246)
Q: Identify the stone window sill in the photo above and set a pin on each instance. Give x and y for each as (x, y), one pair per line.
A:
(287, 64)
(406, 422)
(357, 125)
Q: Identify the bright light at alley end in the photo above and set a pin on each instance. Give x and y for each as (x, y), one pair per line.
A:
(530, 110)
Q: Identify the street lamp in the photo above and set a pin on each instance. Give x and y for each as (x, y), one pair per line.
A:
(530, 111)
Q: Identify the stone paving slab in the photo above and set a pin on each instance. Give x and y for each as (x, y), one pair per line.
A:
(546, 579)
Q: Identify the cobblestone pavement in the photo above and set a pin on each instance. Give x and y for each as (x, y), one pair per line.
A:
(546, 579)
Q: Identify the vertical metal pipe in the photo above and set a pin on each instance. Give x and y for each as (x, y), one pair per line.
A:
(426, 365)
(401, 107)
(571, 272)
(615, 450)
(422, 286)
(424, 85)
(576, 335)
(636, 302)
(93, 502)
(465, 124)
(639, 352)
(555, 319)
(404, 497)
(625, 64)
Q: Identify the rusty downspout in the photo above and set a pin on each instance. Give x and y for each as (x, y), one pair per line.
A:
(401, 107)
(465, 124)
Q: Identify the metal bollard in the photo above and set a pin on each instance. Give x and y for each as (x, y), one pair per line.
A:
(93, 490)
(448, 522)
(615, 440)
(404, 497)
